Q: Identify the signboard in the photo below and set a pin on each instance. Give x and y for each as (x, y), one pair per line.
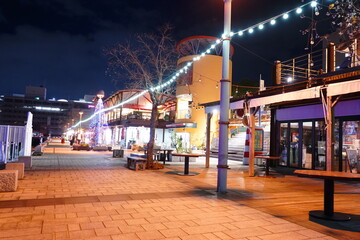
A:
(259, 140)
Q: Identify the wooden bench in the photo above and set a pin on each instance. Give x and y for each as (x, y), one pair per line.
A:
(329, 177)
(134, 162)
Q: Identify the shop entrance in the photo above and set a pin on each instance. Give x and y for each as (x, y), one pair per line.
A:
(348, 139)
(302, 144)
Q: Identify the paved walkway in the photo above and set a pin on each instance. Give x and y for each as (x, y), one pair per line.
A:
(90, 195)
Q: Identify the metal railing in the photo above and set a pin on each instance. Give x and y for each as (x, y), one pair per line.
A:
(305, 67)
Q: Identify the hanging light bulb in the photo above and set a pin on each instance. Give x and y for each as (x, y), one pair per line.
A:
(286, 16)
(299, 10)
(200, 79)
(237, 90)
(272, 22)
(313, 4)
(251, 30)
(240, 33)
(217, 86)
(261, 26)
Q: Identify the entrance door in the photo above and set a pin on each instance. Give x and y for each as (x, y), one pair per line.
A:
(307, 145)
(294, 144)
(320, 145)
(351, 146)
(284, 143)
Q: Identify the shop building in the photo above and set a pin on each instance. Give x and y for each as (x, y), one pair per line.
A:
(130, 123)
(315, 110)
(200, 84)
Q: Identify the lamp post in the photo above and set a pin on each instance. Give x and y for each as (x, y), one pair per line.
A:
(80, 113)
(224, 103)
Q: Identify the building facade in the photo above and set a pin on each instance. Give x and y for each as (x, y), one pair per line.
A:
(50, 117)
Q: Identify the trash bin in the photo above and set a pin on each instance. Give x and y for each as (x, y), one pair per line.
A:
(118, 153)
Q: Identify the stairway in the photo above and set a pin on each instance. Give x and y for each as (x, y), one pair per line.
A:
(236, 146)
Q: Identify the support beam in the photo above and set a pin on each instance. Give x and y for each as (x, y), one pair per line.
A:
(208, 128)
(252, 144)
(329, 134)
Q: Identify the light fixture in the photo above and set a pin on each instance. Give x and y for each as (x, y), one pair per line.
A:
(289, 79)
(286, 16)
(251, 30)
(273, 21)
(313, 4)
(299, 10)
(261, 26)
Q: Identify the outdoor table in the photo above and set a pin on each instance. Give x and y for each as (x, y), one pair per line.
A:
(187, 157)
(329, 178)
(268, 159)
(167, 153)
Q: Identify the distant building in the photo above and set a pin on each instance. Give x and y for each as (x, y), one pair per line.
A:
(38, 93)
(50, 116)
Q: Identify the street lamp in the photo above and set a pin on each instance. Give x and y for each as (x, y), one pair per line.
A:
(224, 103)
(80, 113)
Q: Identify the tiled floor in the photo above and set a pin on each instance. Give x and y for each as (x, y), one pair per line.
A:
(90, 195)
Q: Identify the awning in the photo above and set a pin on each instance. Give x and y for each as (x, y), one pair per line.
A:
(309, 93)
(336, 89)
(181, 125)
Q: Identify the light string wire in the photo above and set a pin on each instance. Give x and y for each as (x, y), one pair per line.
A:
(250, 30)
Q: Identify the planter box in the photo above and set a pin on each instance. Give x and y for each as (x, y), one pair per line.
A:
(79, 147)
(100, 148)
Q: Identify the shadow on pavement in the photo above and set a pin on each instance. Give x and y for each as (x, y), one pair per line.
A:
(352, 226)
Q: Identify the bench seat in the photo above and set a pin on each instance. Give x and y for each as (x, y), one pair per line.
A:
(136, 163)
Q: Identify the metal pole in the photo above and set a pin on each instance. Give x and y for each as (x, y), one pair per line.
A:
(224, 103)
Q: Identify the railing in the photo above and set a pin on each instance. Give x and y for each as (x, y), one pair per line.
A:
(302, 67)
(11, 141)
(305, 67)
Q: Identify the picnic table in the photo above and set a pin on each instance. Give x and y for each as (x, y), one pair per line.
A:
(329, 178)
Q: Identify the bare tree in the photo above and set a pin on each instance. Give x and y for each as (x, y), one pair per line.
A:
(145, 63)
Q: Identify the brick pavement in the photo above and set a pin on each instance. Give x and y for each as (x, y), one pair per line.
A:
(89, 195)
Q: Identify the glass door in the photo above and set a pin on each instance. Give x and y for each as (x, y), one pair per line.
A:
(307, 145)
(320, 145)
(294, 145)
(284, 143)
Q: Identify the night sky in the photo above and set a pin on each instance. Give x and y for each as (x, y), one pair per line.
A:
(59, 43)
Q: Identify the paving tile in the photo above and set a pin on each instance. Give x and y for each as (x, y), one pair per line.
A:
(154, 226)
(107, 231)
(82, 234)
(287, 227)
(127, 236)
(247, 232)
(174, 232)
(131, 229)
(138, 221)
(286, 235)
(204, 229)
(92, 225)
(150, 235)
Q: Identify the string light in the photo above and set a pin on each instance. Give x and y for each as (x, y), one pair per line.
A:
(250, 30)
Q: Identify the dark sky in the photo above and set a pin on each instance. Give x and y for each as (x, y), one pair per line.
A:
(59, 43)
